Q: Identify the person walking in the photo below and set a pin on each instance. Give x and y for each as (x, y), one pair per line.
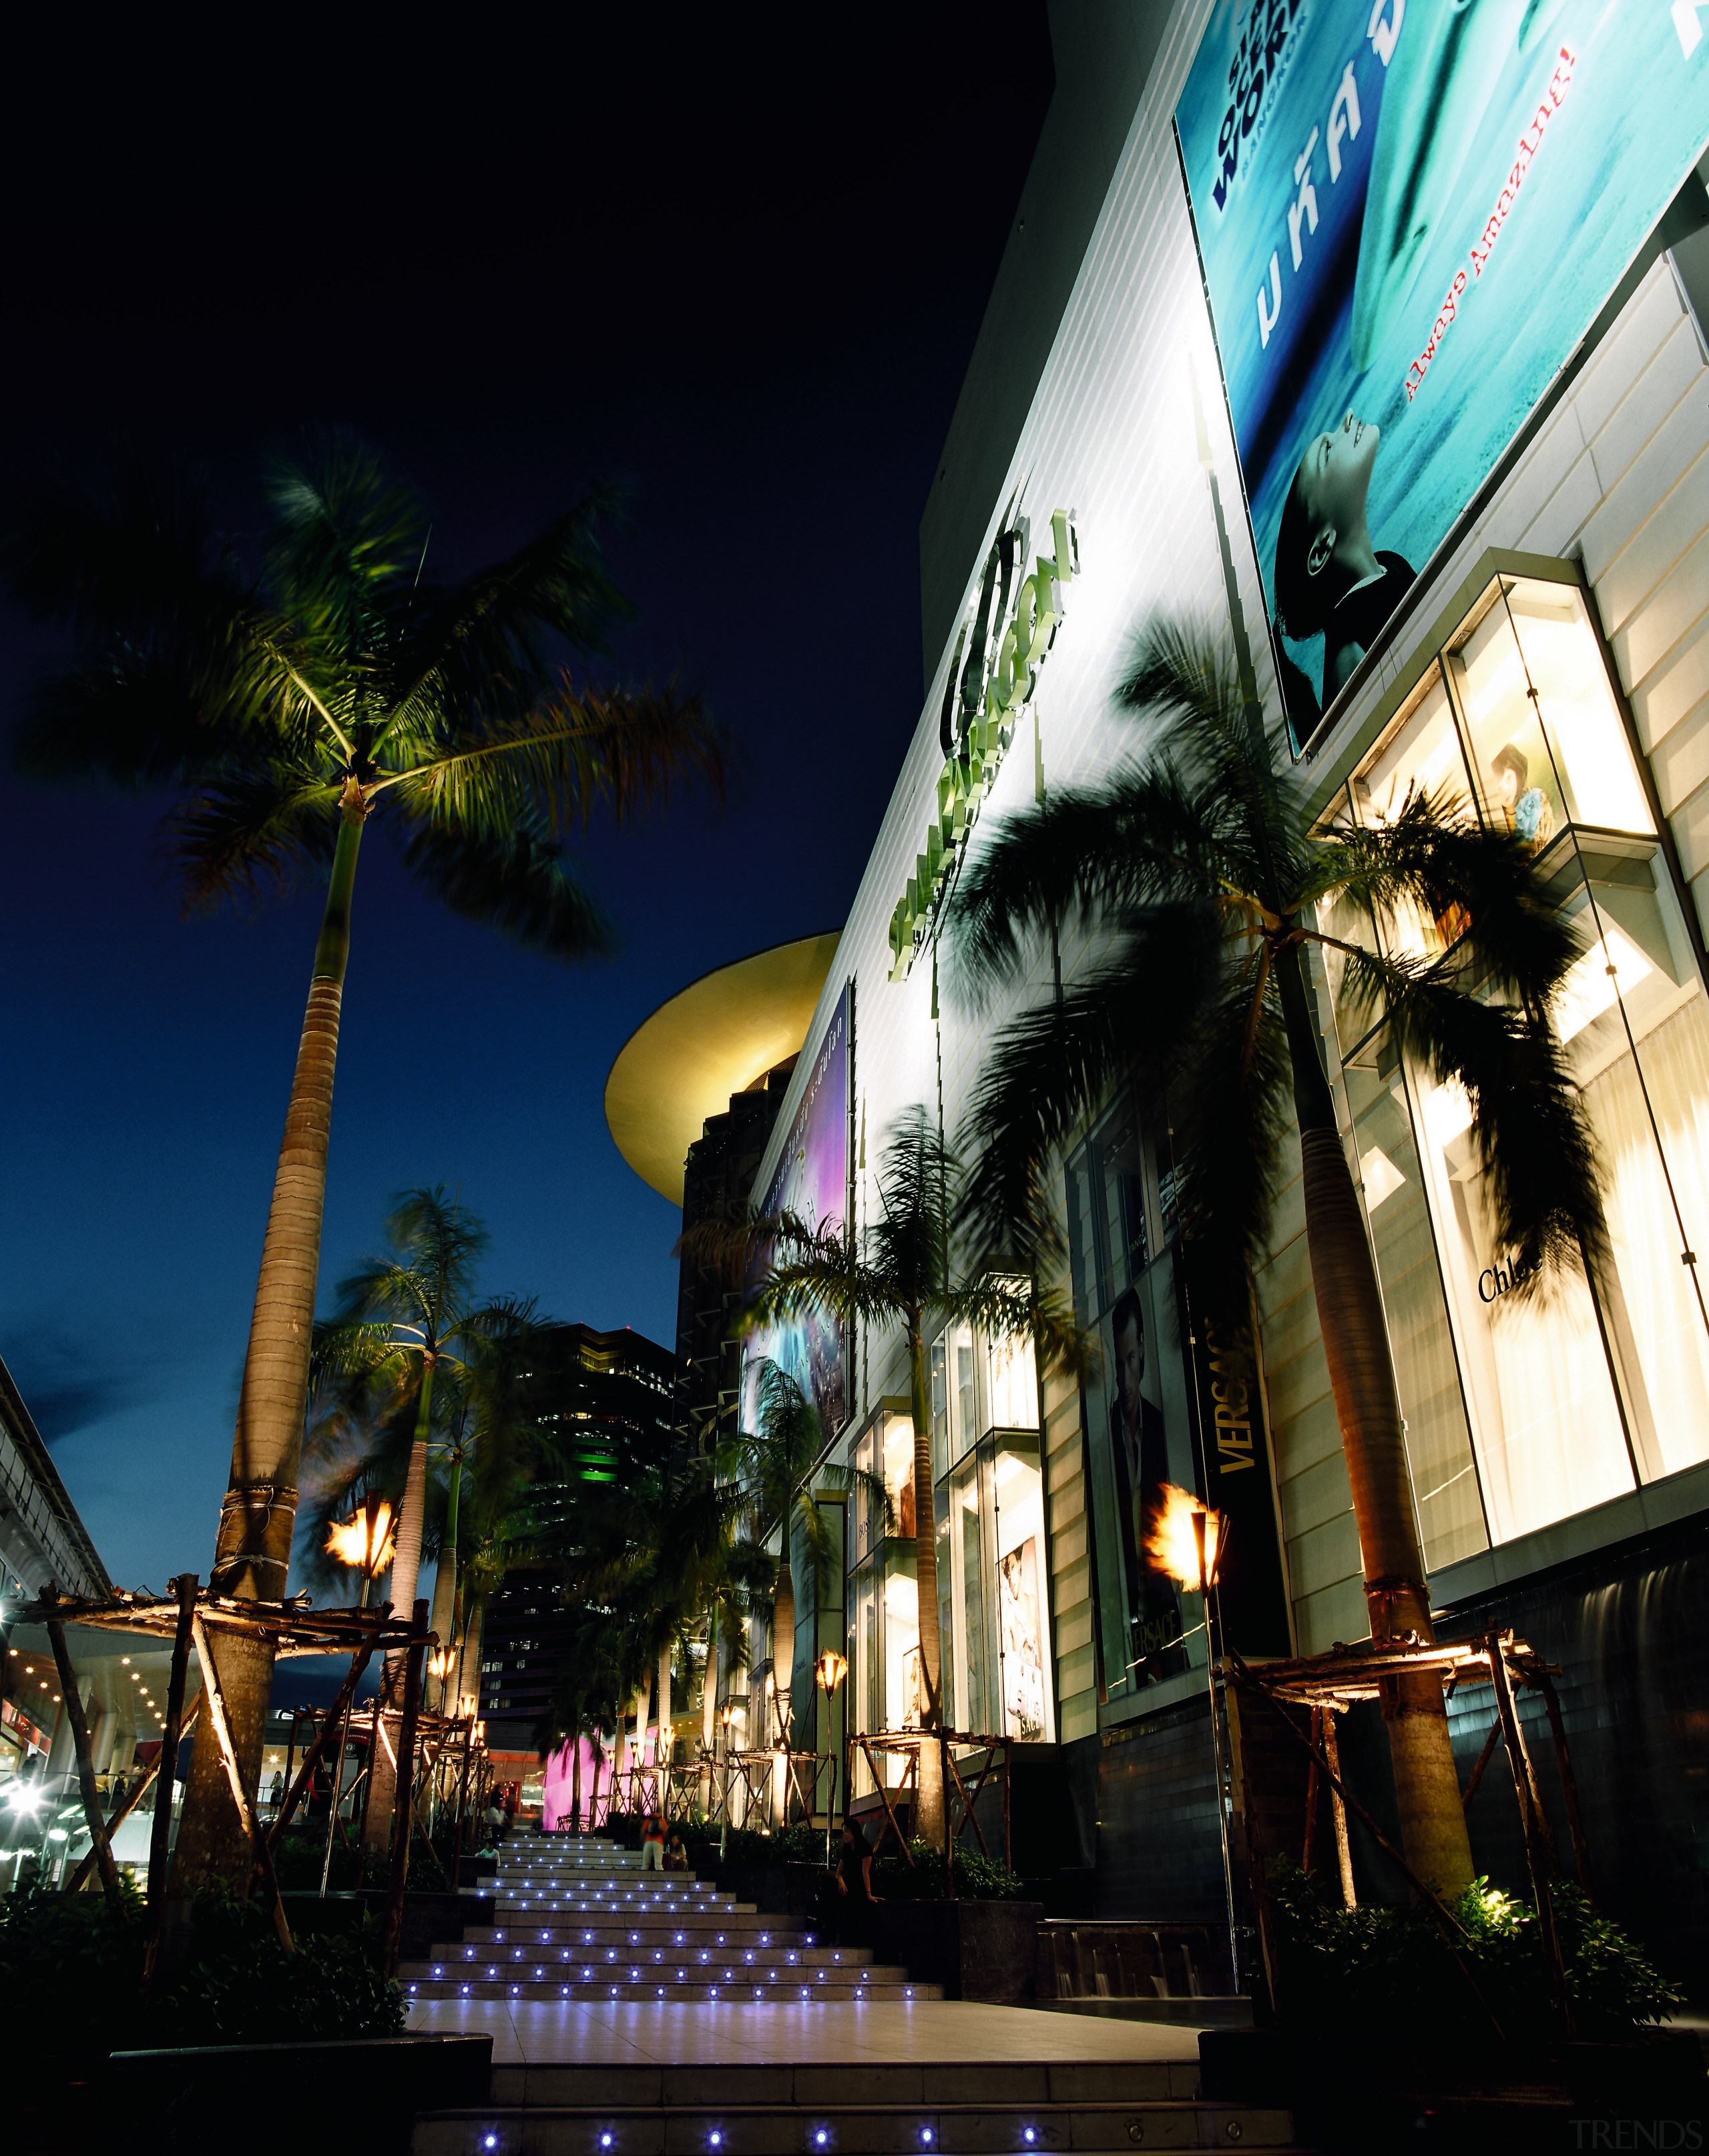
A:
(854, 1897)
(652, 1844)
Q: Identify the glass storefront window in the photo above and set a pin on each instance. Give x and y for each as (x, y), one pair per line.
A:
(1566, 1397)
(883, 1596)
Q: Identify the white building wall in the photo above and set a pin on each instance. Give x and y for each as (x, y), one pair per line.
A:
(1619, 471)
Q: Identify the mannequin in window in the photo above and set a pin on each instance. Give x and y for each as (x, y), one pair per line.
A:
(1525, 806)
(1329, 579)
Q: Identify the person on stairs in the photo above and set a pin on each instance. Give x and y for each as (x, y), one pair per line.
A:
(652, 1844)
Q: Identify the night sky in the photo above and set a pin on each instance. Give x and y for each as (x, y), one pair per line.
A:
(737, 270)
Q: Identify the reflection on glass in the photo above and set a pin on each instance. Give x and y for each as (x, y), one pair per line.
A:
(1017, 1520)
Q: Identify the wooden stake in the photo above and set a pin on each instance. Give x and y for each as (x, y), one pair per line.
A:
(228, 1758)
(149, 1775)
(317, 1751)
(92, 1812)
(1537, 1853)
(1311, 1791)
(171, 1736)
(402, 1797)
(1337, 1810)
(1484, 1759)
(1569, 1787)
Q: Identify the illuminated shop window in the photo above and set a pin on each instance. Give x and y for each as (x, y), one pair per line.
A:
(883, 1595)
(992, 1614)
(1521, 1413)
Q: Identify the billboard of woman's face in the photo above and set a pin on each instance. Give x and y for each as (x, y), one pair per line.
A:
(1408, 216)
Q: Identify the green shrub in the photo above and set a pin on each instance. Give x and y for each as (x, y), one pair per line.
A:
(298, 1857)
(238, 1985)
(1374, 1970)
(71, 1976)
(978, 1878)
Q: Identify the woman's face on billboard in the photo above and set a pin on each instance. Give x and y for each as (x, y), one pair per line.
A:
(1334, 479)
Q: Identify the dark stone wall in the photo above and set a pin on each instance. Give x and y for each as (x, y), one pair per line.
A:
(1159, 1850)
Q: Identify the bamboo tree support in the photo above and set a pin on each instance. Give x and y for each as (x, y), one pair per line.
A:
(406, 1771)
(317, 1751)
(1310, 1840)
(240, 1797)
(1337, 1809)
(1429, 1897)
(159, 1840)
(150, 1775)
(100, 1847)
(1537, 1851)
(1569, 1785)
(1484, 1759)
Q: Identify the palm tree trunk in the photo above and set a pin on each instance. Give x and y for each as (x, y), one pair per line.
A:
(445, 1615)
(576, 1777)
(929, 1819)
(783, 1673)
(709, 1708)
(252, 1553)
(468, 1675)
(406, 1570)
(1355, 1333)
(664, 1747)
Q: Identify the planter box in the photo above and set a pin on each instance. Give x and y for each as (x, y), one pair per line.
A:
(426, 1916)
(263, 2098)
(985, 1950)
(777, 1889)
(1352, 2095)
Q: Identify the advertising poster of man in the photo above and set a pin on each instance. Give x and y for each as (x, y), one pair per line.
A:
(811, 1180)
(1139, 1452)
(1409, 215)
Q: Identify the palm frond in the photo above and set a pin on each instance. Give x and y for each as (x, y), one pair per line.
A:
(253, 827)
(514, 880)
(1137, 1015)
(1434, 857)
(342, 532)
(480, 646)
(572, 753)
(1533, 1137)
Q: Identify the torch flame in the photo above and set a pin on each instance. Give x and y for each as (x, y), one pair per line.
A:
(365, 1540)
(1171, 1545)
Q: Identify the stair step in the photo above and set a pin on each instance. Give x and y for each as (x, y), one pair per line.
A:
(461, 1956)
(665, 1930)
(889, 1984)
(850, 2129)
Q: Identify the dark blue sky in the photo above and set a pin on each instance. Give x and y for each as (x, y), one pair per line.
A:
(738, 271)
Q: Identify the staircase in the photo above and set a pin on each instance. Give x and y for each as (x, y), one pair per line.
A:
(578, 1918)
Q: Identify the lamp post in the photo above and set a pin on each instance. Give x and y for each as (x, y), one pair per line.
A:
(830, 1669)
(1208, 1559)
(364, 1544)
(724, 1715)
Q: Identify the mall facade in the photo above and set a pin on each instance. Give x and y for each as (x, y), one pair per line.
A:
(1541, 651)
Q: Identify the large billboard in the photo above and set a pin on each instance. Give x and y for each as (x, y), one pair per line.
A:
(1409, 215)
(811, 1180)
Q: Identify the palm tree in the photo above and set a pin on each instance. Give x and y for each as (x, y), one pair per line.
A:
(900, 1274)
(768, 1471)
(1194, 860)
(492, 1444)
(288, 706)
(402, 1319)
